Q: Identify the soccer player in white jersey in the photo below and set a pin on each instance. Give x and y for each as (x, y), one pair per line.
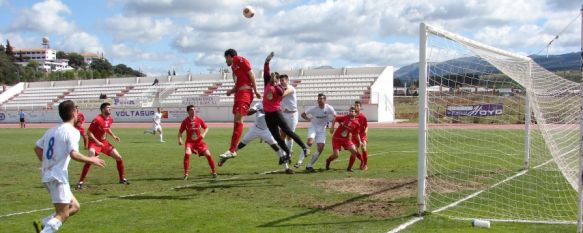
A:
(318, 117)
(289, 106)
(55, 150)
(260, 130)
(157, 125)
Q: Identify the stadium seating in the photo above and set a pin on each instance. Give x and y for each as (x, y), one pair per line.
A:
(340, 85)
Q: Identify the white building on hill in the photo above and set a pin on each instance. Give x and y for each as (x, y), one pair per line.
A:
(45, 56)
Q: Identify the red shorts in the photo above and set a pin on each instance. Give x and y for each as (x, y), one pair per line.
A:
(338, 144)
(197, 147)
(106, 149)
(243, 101)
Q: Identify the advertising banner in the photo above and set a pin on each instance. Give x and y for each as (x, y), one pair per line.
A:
(475, 110)
(201, 100)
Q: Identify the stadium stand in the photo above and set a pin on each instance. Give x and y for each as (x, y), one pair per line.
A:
(342, 87)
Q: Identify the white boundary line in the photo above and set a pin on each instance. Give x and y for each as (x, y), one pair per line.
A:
(118, 197)
(406, 224)
(416, 219)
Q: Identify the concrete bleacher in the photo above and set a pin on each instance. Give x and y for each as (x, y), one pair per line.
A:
(341, 85)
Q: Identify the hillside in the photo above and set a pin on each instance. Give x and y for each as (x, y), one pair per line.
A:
(568, 61)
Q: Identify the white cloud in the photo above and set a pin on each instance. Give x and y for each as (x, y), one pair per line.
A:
(80, 42)
(45, 17)
(138, 28)
(125, 52)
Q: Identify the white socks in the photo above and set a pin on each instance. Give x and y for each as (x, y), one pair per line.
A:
(47, 218)
(289, 144)
(52, 226)
(161, 137)
(302, 155)
(314, 159)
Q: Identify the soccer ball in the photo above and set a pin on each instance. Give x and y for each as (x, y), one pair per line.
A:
(248, 12)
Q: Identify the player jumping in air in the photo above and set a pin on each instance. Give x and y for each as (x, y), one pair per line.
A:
(244, 89)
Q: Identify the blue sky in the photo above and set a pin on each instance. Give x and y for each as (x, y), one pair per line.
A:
(158, 35)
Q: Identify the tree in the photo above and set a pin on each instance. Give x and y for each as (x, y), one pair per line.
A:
(8, 70)
(9, 50)
(76, 60)
(32, 65)
(61, 55)
(2, 48)
(102, 66)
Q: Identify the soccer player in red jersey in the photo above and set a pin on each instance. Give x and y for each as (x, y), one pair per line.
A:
(79, 125)
(244, 89)
(363, 122)
(192, 124)
(348, 126)
(98, 130)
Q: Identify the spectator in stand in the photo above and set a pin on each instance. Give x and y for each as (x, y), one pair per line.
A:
(155, 82)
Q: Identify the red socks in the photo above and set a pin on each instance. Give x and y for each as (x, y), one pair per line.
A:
(120, 169)
(84, 172)
(186, 164)
(365, 158)
(237, 131)
(211, 162)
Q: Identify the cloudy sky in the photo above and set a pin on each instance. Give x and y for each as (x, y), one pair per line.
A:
(158, 35)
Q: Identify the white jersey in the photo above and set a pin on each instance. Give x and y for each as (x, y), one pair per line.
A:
(259, 116)
(157, 118)
(290, 102)
(57, 143)
(320, 116)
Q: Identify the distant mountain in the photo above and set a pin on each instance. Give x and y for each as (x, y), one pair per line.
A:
(568, 61)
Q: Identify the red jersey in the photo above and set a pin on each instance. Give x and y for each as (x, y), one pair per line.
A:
(241, 67)
(363, 123)
(272, 96)
(347, 127)
(192, 128)
(99, 125)
(80, 121)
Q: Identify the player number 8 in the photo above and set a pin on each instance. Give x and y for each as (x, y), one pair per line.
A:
(50, 151)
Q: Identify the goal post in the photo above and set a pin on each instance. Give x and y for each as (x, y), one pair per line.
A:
(499, 135)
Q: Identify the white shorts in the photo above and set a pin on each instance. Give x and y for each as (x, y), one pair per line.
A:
(318, 135)
(255, 132)
(60, 192)
(291, 119)
(156, 127)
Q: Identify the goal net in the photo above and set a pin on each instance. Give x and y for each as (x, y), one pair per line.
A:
(500, 134)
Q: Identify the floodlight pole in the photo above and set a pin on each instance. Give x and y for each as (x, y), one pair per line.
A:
(580, 174)
(422, 146)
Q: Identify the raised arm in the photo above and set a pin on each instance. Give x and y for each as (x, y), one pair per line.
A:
(266, 74)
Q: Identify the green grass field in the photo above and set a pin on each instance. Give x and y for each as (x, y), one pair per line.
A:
(242, 199)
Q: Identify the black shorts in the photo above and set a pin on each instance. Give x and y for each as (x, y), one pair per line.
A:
(22, 120)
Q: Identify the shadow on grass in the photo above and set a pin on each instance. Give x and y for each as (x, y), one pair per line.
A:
(276, 223)
(162, 197)
(227, 186)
